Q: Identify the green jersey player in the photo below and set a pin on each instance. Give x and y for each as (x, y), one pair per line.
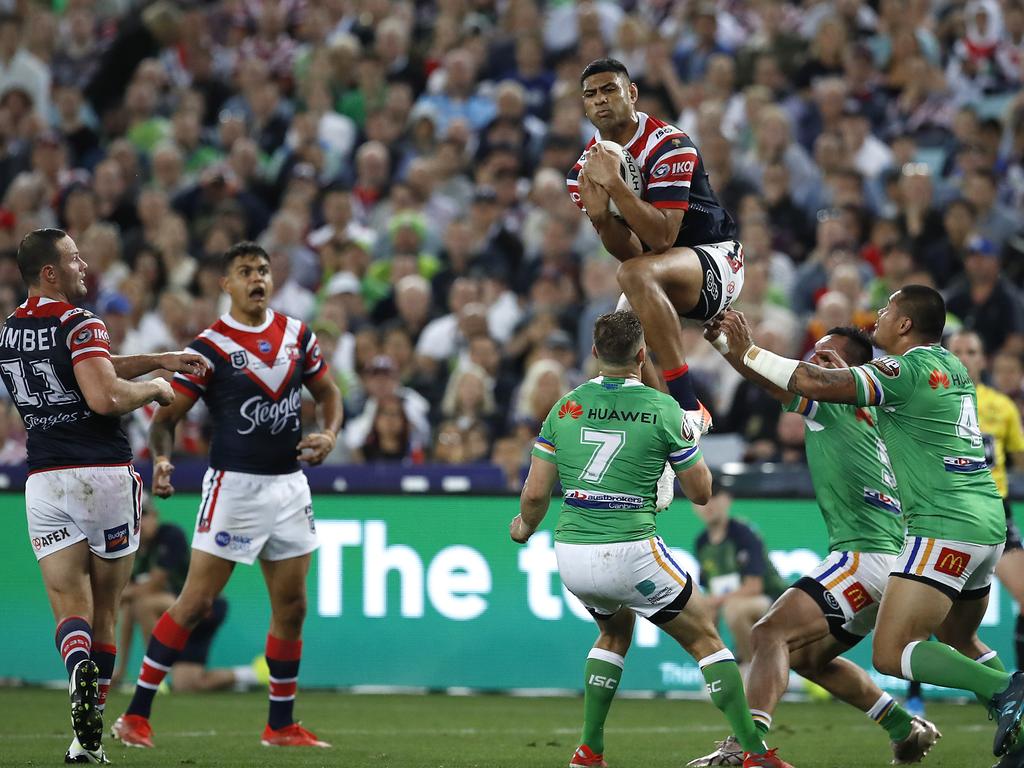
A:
(834, 607)
(607, 442)
(927, 414)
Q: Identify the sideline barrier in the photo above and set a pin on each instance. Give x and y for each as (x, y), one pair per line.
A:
(428, 591)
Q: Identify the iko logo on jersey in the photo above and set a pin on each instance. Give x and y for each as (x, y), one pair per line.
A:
(681, 168)
(38, 542)
(116, 538)
(260, 412)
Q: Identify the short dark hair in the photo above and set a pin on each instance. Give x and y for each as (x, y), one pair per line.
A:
(617, 337)
(244, 248)
(858, 343)
(597, 66)
(925, 308)
(38, 249)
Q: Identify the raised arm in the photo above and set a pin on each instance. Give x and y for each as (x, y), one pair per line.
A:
(718, 341)
(812, 381)
(132, 366)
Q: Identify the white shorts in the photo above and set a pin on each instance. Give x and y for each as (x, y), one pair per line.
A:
(244, 516)
(640, 575)
(101, 504)
(958, 569)
(722, 265)
(848, 587)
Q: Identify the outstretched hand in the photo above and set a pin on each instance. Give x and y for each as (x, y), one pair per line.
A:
(184, 362)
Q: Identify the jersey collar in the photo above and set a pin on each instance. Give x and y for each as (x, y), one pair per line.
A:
(230, 322)
(625, 382)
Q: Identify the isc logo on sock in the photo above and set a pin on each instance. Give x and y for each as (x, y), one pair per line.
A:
(602, 681)
(715, 686)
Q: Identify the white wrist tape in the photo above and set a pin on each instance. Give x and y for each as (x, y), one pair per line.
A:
(721, 343)
(778, 370)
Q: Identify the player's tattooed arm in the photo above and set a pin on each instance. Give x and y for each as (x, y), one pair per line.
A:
(534, 500)
(830, 385)
(161, 442)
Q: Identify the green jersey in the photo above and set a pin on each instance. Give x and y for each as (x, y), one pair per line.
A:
(610, 439)
(928, 417)
(853, 480)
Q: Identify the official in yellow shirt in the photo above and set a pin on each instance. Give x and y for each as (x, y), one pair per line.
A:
(1000, 424)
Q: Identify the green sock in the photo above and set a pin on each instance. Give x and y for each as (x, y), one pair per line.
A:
(725, 684)
(890, 715)
(990, 660)
(937, 663)
(601, 677)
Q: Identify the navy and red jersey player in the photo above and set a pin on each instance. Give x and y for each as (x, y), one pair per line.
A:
(82, 496)
(256, 501)
(677, 244)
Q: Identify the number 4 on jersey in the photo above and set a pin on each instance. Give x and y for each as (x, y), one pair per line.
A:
(967, 425)
(609, 442)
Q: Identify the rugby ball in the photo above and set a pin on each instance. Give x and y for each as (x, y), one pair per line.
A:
(628, 170)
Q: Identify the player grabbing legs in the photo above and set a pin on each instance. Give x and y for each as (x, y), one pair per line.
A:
(955, 523)
(676, 242)
(256, 501)
(609, 554)
(82, 496)
(829, 611)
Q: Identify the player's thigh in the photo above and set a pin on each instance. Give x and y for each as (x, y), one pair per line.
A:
(677, 271)
(910, 610)
(694, 629)
(65, 575)
(616, 629)
(286, 583)
(1010, 570)
(795, 619)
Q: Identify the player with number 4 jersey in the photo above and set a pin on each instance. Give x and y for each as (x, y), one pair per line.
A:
(835, 606)
(607, 442)
(927, 414)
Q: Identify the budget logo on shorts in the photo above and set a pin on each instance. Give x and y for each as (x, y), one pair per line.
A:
(116, 538)
(223, 538)
(239, 359)
(952, 562)
(857, 597)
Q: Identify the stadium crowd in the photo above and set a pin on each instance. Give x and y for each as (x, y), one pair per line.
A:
(404, 165)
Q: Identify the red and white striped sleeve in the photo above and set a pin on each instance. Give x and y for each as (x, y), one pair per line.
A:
(86, 337)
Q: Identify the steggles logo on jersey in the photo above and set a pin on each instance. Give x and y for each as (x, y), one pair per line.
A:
(260, 412)
(570, 408)
(938, 377)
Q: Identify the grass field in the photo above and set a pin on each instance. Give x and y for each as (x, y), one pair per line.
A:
(378, 731)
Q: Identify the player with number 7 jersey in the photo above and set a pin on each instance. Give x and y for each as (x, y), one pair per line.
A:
(607, 442)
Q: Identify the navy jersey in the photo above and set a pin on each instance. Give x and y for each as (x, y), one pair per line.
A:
(253, 390)
(674, 177)
(40, 344)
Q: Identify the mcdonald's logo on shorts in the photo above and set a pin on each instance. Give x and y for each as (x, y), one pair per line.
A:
(857, 597)
(952, 562)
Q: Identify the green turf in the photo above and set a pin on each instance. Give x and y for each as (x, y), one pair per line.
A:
(465, 732)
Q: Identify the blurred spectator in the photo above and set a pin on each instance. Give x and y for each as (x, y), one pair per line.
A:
(12, 435)
(986, 304)
(409, 433)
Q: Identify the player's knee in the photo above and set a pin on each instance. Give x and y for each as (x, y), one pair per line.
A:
(886, 658)
(291, 610)
(191, 609)
(632, 274)
(767, 631)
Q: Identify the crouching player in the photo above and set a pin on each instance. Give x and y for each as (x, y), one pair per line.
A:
(607, 441)
(256, 501)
